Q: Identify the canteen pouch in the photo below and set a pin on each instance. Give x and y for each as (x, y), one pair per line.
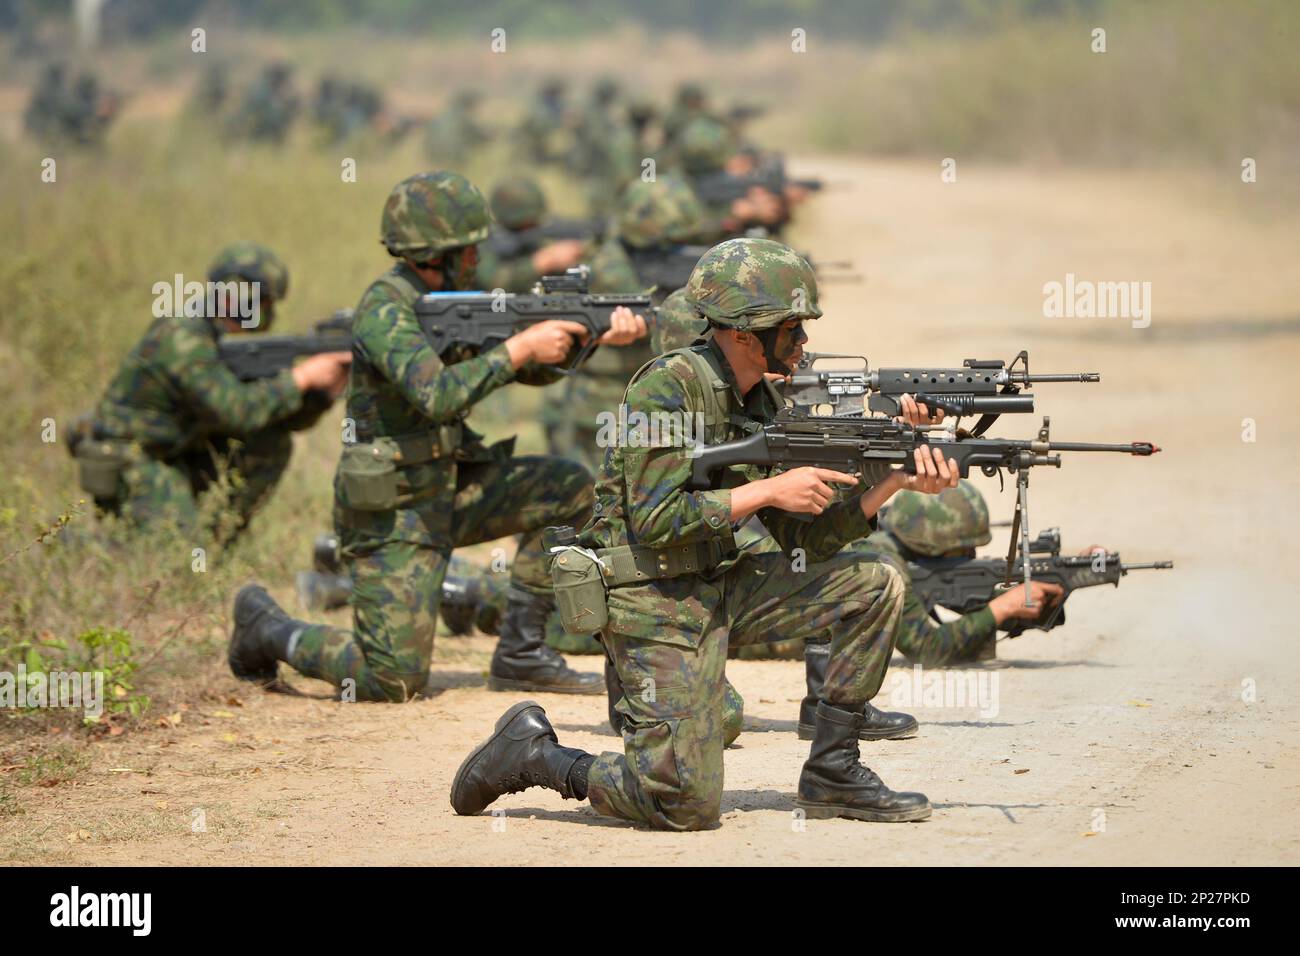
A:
(101, 465)
(579, 590)
(368, 475)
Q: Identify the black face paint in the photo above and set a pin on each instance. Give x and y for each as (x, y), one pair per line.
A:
(774, 351)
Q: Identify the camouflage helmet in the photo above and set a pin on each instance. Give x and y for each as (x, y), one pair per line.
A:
(429, 213)
(752, 284)
(518, 202)
(933, 525)
(658, 212)
(251, 262)
(705, 145)
(690, 93)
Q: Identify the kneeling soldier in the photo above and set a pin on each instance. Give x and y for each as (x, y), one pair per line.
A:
(680, 591)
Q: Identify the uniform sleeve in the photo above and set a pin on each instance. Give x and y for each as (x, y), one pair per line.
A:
(823, 536)
(660, 509)
(925, 640)
(191, 362)
(390, 337)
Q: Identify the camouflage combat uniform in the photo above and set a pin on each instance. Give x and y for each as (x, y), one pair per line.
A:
(269, 108)
(458, 493)
(178, 417)
(669, 636)
(661, 212)
(953, 523)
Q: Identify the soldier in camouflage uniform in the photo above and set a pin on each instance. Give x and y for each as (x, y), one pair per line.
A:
(951, 525)
(690, 103)
(508, 262)
(604, 152)
(174, 417)
(679, 591)
(702, 154)
(452, 136)
(419, 482)
(44, 112)
(543, 133)
(663, 212)
(269, 108)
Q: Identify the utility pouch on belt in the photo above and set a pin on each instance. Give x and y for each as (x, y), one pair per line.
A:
(368, 471)
(579, 584)
(368, 475)
(101, 465)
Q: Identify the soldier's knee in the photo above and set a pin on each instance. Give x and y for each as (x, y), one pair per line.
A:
(693, 808)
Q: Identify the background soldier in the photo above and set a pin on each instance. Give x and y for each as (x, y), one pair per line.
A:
(680, 591)
(420, 482)
(508, 260)
(951, 525)
(175, 418)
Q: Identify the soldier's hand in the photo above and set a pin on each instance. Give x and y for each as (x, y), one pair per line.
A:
(327, 372)
(758, 205)
(1011, 603)
(913, 412)
(934, 473)
(625, 327)
(805, 490)
(554, 257)
(547, 342)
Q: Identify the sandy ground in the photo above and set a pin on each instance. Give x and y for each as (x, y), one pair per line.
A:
(1159, 726)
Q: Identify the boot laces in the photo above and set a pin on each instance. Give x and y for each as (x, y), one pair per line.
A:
(520, 781)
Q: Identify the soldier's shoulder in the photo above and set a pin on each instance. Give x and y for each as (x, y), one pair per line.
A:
(672, 374)
(388, 292)
(177, 340)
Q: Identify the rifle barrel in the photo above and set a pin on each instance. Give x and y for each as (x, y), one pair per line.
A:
(1022, 378)
(1143, 448)
(1147, 566)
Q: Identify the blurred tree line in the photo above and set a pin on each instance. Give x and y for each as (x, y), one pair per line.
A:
(725, 20)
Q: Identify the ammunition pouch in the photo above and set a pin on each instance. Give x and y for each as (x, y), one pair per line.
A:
(368, 471)
(101, 464)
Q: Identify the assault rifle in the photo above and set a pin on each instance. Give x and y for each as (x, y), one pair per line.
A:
(509, 243)
(965, 584)
(980, 387)
(795, 439)
(254, 356)
(474, 321)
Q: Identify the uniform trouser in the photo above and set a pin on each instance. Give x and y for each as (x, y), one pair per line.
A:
(670, 774)
(158, 490)
(396, 585)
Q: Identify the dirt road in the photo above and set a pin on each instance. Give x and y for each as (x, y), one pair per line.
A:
(1159, 726)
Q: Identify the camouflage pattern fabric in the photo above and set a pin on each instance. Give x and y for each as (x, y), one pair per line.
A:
(705, 146)
(752, 284)
(269, 108)
(677, 325)
(663, 211)
(934, 525)
(251, 262)
(604, 150)
(921, 638)
(669, 638)
(518, 202)
(495, 590)
(178, 404)
(397, 559)
(429, 213)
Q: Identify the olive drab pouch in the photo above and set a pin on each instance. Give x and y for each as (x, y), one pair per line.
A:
(101, 465)
(579, 589)
(368, 475)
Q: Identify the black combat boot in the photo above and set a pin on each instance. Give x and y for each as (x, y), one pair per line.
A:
(261, 635)
(322, 591)
(876, 725)
(325, 554)
(523, 752)
(523, 662)
(835, 784)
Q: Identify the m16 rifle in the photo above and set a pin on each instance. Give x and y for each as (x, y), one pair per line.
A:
(473, 321)
(795, 440)
(980, 387)
(966, 584)
(253, 356)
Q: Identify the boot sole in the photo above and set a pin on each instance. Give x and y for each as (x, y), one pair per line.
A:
(503, 722)
(829, 811)
(530, 687)
(808, 731)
